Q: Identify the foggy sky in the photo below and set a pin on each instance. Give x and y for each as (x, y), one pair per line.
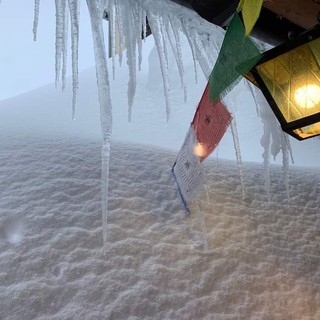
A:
(25, 64)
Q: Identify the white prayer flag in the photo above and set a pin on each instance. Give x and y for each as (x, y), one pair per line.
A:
(188, 169)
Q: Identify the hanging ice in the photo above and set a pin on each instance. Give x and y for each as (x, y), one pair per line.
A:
(96, 11)
(128, 25)
(203, 226)
(176, 48)
(160, 41)
(112, 27)
(61, 41)
(265, 142)
(35, 19)
(192, 47)
(65, 44)
(59, 37)
(273, 140)
(74, 15)
(285, 147)
(236, 144)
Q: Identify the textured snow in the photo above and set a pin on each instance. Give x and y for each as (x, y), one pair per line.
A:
(262, 263)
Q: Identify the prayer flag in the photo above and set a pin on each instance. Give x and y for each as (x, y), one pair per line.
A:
(188, 170)
(237, 56)
(250, 13)
(210, 123)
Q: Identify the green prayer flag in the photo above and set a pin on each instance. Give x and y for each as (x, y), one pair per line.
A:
(238, 54)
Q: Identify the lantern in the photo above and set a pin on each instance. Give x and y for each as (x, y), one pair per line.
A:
(289, 78)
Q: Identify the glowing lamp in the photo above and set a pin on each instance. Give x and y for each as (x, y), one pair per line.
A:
(289, 78)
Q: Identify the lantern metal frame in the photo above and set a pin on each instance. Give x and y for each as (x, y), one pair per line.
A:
(288, 127)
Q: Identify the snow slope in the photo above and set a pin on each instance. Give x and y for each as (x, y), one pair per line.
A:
(263, 260)
(48, 110)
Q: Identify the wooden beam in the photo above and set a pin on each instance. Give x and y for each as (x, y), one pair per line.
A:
(301, 12)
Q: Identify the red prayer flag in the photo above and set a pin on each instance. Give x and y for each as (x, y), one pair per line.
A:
(210, 123)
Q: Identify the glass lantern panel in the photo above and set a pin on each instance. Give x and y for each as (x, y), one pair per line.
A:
(308, 131)
(293, 80)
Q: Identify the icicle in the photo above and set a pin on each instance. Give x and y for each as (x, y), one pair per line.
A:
(266, 117)
(203, 226)
(205, 186)
(186, 32)
(166, 58)
(236, 144)
(138, 21)
(201, 54)
(65, 44)
(250, 86)
(160, 45)
(210, 48)
(74, 15)
(59, 37)
(276, 137)
(289, 148)
(128, 26)
(144, 25)
(285, 161)
(139, 54)
(112, 35)
(95, 11)
(265, 142)
(35, 19)
(119, 29)
(176, 48)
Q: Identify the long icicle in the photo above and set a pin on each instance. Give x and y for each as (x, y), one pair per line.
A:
(203, 226)
(128, 26)
(192, 47)
(119, 29)
(35, 19)
(95, 11)
(236, 144)
(176, 48)
(65, 44)
(74, 15)
(200, 54)
(160, 45)
(59, 38)
(285, 163)
(112, 35)
(266, 144)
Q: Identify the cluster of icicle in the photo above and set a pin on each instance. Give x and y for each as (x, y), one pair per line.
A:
(70, 10)
(128, 21)
(273, 140)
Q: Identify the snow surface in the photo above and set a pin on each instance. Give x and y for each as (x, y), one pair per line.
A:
(263, 259)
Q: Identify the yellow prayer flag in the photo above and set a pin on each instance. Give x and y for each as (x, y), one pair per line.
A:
(250, 13)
